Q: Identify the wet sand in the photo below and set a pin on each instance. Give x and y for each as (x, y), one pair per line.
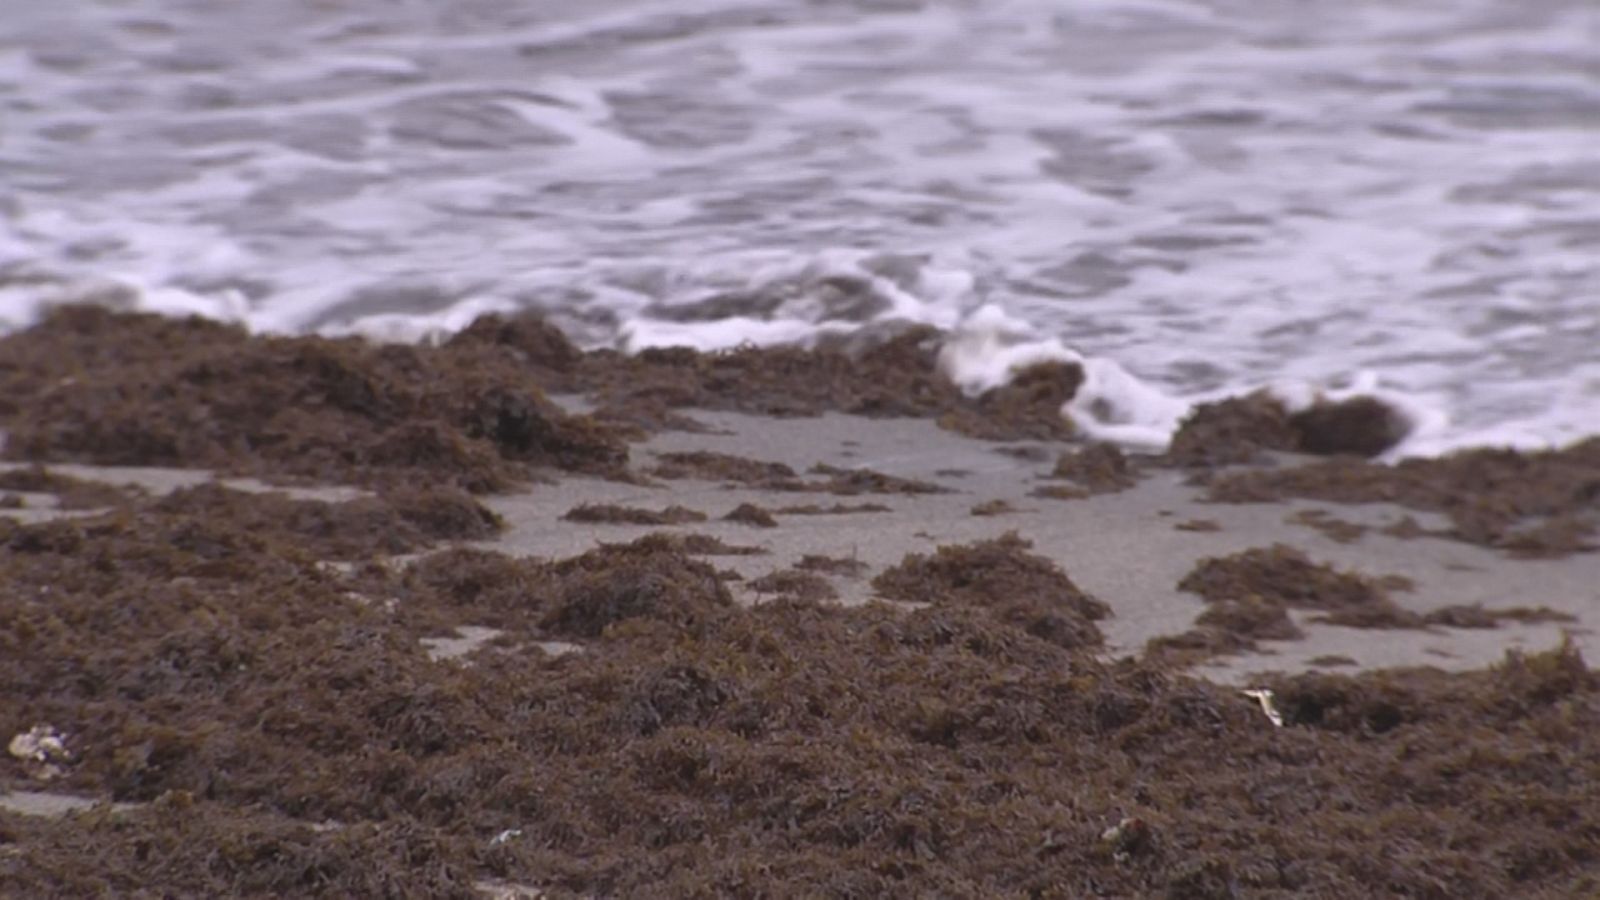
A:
(821, 652)
(1124, 548)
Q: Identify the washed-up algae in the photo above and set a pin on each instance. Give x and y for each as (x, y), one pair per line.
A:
(654, 577)
(775, 476)
(1539, 504)
(1028, 407)
(866, 481)
(706, 465)
(836, 509)
(1000, 575)
(796, 584)
(1283, 574)
(1228, 627)
(1249, 595)
(893, 376)
(398, 520)
(1333, 528)
(1239, 429)
(896, 377)
(290, 736)
(995, 507)
(753, 515)
(89, 385)
(832, 565)
(611, 513)
(1097, 469)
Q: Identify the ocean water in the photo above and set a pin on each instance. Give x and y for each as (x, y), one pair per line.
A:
(1194, 198)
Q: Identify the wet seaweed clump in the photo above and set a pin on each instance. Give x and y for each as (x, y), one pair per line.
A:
(1028, 407)
(1239, 429)
(1000, 575)
(1477, 616)
(706, 465)
(850, 482)
(775, 476)
(399, 520)
(700, 545)
(1231, 431)
(795, 584)
(835, 509)
(70, 492)
(1331, 661)
(753, 515)
(612, 514)
(618, 582)
(832, 565)
(1332, 527)
(529, 341)
(1228, 627)
(1531, 504)
(1283, 576)
(1097, 469)
(90, 385)
(1249, 595)
(1360, 426)
(894, 376)
(996, 507)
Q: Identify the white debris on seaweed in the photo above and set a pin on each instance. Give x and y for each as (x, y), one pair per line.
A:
(43, 749)
(1268, 704)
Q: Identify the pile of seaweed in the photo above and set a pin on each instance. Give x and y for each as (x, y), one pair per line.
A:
(776, 476)
(90, 385)
(1249, 594)
(1241, 429)
(896, 376)
(284, 732)
(1096, 469)
(1531, 504)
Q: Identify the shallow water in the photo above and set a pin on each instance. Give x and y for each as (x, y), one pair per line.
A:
(1207, 196)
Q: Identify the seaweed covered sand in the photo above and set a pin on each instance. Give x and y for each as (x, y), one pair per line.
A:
(285, 732)
(630, 728)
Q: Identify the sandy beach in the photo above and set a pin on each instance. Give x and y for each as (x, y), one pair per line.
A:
(638, 637)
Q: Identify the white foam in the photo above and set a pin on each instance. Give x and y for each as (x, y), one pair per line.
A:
(429, 328)
(990, 347)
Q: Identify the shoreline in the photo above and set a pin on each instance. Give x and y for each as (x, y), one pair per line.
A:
(762, 641)
(1130, 548)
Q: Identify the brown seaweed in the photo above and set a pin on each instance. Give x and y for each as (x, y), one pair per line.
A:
(1239, 429)
(283, 731)
(1540, 503)
(1023, 589)
(753, 515)
(1097, 469)
(610, 513)
(89, 385)
(289, 737)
